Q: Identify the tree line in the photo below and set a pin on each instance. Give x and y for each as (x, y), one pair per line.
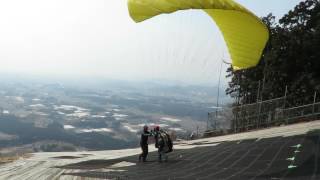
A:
(290, 62)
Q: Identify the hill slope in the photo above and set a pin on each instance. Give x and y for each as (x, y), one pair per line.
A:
(288, 152)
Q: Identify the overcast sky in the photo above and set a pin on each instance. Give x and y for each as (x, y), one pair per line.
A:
(97, 38)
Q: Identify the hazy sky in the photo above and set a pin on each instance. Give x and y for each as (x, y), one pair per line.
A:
(97, 38)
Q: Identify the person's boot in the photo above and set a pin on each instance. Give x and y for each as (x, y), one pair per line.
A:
(159, 159)
(166, 158)
(140, 158)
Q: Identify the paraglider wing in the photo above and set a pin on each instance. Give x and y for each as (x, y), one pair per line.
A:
(245, 34)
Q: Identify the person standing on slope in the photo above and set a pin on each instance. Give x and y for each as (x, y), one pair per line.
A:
(144, 144)
(163, 143)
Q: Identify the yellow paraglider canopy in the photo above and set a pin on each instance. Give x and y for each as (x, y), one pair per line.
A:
(245, 34)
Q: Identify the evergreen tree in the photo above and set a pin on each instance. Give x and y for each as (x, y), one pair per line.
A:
(291, 58)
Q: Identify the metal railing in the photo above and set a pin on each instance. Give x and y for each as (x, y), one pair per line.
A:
(257, 115)
(262, 115)
(300, 113)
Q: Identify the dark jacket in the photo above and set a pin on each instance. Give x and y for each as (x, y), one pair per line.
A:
(144, 138)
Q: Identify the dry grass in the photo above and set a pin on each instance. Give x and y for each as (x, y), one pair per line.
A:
(9, 159)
